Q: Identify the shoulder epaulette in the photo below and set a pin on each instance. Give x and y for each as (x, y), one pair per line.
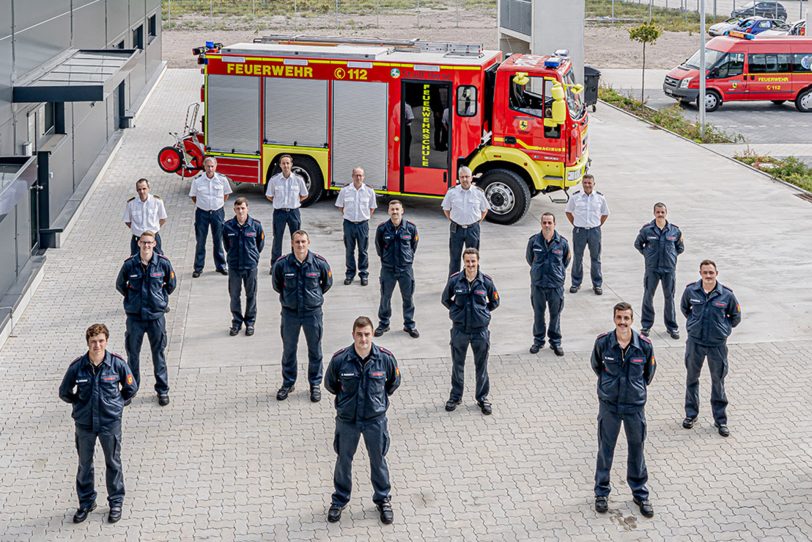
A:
(162, 256)
(337, 352)
(599, 192)
(77, 360)
(319, 256)
(385, 351)
(644, 338)
(282, 256)
(455, 274)
(576, 192)
(156, 196)
(129, 200)
(119, 356)
(604, 334)
(728, 289)
(487, 277)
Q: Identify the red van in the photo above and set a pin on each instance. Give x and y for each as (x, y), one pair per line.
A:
(741, 68)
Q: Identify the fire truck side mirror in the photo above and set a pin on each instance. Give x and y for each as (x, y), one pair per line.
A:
(559, 109)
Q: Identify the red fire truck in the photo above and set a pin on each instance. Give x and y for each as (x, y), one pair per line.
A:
(409, 112)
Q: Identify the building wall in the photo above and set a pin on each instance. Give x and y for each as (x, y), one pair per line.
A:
(32, 32)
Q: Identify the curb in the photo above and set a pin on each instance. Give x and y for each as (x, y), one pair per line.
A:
(748, 166)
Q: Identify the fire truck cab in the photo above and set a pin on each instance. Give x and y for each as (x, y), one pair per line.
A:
(409, 112)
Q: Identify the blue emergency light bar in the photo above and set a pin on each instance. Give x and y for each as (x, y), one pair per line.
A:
(209, 45)
(552, 62)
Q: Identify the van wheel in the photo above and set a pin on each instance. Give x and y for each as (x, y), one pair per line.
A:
(713, 101)
(507, 194)
(803, 102)
(778, 102)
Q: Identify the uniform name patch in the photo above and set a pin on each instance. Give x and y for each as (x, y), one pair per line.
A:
(480, 292)
(377, 373)
(348, 374)
(637, 360)
(719, 304)
(158, 274)
(312, 274)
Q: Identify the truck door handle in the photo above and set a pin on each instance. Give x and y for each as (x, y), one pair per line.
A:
(510, 140)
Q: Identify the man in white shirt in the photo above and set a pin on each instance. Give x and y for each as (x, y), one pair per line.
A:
(286, 190)
(587, 211)
(465, 206)
(209, 193)
(144, 212)
(357, 203)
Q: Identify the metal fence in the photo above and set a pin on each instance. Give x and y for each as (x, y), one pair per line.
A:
(180, 14)
(796, 9)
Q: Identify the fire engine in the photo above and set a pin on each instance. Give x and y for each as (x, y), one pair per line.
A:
(409, 112)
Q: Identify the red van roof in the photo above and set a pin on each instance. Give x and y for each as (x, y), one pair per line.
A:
(726, 43)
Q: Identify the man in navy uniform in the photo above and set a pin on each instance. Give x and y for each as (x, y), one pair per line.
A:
(712, 312)
(587, 211)
(243, 239)
(470, 296)
(660, 242)
(362, 377)
(548, 254)
(146, 280)
(624, 362)
(98, 385)
(465, 206)
(301, 278)
(396, 243)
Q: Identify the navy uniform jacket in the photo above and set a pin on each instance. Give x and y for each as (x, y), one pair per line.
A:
(98, 399)
(711, 317)
(660, 246)
(362, 390)
(548, 263)
(243, 243)
(302, 286)
(146, 294)
(622, 380)
(470, 304)
(396, 246)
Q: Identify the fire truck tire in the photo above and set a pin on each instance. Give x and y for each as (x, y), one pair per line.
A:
(170, 159)
(803, 102)
(309, 170)
(507, 194)
(713, 101)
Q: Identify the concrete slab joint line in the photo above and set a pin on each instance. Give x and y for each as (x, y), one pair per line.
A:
(225, 460)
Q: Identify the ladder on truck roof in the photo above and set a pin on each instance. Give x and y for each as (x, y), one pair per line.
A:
(409, 46)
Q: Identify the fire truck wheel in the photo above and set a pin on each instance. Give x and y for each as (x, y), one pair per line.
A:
(507, 194)
(712, 101)
(170, 159)
(309, 170)
(804, 101)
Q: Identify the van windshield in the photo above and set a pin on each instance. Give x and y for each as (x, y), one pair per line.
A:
(712, 56)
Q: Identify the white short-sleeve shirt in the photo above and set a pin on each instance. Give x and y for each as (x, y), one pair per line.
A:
(210, 192)
(286, 191)
(587, 210)
(466, 206)
(145, 215)
(357, 203)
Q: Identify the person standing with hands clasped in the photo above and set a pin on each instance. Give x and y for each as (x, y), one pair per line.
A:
(362, 377)
(209, 192)
(244, 239)
(548, 254)
(712, 312)
(587, 211)
(465, 206)
(98, 385)
(356, 201)
(624, 364)
(144, 212)
(286, 190)
(470, 296)
(660, 242)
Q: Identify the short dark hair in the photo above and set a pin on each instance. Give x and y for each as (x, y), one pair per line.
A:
(362, 322)
(588, 176)
(395, 202)
(470, 250)
(286, 155)
(97, 329)
(141, 180)
(548, 214)
(708, 262)
(622, 306)
(240, 200)
(660, 204)
(300, 232)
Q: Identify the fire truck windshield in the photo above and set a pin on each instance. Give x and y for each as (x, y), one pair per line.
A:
(575, 101)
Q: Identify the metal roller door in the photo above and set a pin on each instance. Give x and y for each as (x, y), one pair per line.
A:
(232, 114)
(295, 112)
(359, 132)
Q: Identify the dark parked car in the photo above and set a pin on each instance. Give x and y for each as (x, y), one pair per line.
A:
(768, 8)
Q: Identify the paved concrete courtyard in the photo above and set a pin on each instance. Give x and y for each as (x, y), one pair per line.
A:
(226, 461)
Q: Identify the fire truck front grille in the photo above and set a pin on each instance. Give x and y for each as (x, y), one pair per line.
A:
(671, 82)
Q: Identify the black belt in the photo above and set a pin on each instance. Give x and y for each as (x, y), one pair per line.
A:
(353, 222)
(286, 209)
(209, 211)
(587, 228)
(465, 226)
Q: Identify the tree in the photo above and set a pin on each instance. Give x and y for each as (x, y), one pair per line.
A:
(645, 33)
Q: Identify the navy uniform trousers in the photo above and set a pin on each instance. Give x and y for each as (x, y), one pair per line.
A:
(582, 238)
(291, 218)
(110, 440)
(650, 282)
(459, 236)
(695, 355)
(311, 323)
(134, 244)
(134, 338)
(356, 234)
(480, 341)
(542, 298)
(404, 279)
(203, 221)
(345, 443)
(237, 279)
(608, 430)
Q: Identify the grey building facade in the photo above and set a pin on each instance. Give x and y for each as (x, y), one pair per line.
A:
(72, 75)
